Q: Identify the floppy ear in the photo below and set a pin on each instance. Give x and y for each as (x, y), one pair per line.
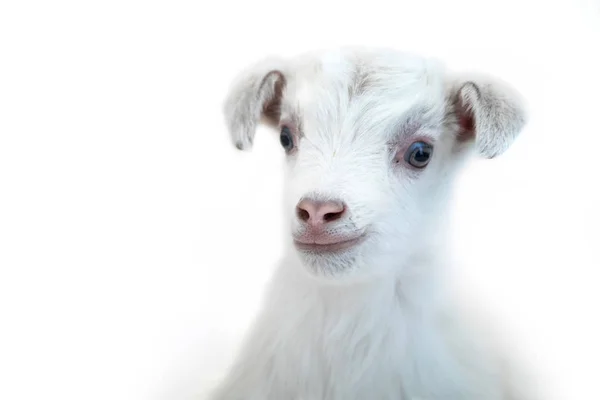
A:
(489, 113)
(255, 96)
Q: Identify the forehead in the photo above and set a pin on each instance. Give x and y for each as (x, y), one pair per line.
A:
(354, 91)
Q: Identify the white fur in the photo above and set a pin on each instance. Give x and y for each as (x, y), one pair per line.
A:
(376, 322)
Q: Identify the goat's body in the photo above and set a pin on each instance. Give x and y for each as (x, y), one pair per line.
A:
(355, 310)
(386, 339)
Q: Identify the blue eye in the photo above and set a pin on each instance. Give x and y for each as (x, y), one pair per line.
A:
(285, 138)
(418, 154)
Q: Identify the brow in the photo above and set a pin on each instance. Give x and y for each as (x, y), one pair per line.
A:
(292, 117)
(418, 118)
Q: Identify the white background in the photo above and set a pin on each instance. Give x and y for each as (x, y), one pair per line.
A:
(135, 240)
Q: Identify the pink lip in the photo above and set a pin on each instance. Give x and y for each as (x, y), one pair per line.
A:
(328, 245)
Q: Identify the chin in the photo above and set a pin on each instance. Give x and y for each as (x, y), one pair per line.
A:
(330, 268)
(338, 265)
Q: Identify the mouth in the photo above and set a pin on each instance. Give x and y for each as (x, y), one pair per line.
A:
(329, 246)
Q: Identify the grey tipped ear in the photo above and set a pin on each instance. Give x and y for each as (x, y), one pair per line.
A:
(255, 96)
(489, 113)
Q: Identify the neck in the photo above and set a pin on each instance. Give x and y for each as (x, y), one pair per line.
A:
(415, 285)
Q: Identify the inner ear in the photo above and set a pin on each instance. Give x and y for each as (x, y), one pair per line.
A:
(274, 82)
(463, 108)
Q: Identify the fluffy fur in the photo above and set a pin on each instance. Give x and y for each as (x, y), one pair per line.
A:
(373, 322)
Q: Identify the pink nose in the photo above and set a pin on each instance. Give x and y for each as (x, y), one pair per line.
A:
(316, 212)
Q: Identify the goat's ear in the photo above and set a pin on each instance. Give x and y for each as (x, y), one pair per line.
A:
(489, 113)
(255, 96)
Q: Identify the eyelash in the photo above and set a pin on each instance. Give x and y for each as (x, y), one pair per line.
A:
(291, 133)
(399, 149)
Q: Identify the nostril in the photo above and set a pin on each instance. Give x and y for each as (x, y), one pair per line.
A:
(332, 211)
(333, 216)
(303, 215)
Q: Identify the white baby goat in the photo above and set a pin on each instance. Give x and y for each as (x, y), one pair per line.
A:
(373, 139)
